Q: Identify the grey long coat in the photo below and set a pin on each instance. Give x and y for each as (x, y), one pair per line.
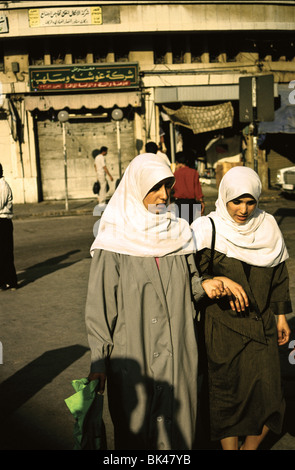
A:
(140, 324)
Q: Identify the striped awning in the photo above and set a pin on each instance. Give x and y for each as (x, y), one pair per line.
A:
(78, 101)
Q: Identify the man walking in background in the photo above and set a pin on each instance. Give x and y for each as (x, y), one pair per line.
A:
(101, 172)
(151, 147)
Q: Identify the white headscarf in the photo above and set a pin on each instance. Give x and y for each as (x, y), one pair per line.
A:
(258, 241)
(127, 227)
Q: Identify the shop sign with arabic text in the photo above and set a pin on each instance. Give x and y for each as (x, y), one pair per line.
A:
(83, 77)
(40, 17)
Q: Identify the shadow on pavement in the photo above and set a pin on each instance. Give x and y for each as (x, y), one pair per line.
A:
(21, 387)
(49, 266)
(282, 213)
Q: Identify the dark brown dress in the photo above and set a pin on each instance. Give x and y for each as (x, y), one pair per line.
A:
(242, 352)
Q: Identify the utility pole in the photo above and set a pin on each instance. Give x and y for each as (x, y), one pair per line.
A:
(117, 116)
(63, 117)
(256, 104)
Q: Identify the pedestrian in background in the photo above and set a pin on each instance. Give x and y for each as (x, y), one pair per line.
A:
(242, 347)
(187, 189)
(152, 147)
(8, 278)
(101, 172)
(140, 314)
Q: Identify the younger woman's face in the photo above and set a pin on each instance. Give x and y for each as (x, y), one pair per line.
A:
(241, 208)
(158, 197)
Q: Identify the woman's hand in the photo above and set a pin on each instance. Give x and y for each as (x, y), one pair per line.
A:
(238, 298)
(214, 288)
(101, 377)
(283, 330)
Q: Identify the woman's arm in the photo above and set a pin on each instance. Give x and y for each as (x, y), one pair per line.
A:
(238, 298)
(202, 285)
(283, 330)
(215, 288)
(280, 302)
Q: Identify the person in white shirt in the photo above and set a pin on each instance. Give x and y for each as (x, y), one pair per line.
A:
(101, 172)
(8, 278)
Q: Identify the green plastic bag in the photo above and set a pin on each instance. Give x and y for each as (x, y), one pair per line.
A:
(86, 405)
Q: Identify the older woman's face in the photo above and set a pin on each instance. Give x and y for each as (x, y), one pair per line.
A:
(241, 208)
(158, 197)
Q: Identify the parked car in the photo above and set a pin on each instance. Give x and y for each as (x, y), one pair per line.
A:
(286, 179)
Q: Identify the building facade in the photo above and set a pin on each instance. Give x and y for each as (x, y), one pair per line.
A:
(172, 68)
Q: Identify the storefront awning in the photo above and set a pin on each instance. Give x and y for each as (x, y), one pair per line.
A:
(202, 118)
(77, 101)
(196, 93)
(185, 94)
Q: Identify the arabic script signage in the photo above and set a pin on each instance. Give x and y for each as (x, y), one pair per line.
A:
(39, 17)
(3, 24)
(83, 77)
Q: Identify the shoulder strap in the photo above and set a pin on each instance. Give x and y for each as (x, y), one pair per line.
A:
(212, 246)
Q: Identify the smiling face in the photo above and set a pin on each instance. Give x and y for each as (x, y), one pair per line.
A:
(241, 208)
(158, 197)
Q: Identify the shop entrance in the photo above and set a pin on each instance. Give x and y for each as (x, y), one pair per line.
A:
(83, 135)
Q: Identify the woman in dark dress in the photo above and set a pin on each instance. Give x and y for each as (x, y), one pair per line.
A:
(242, 346)
(8, 277)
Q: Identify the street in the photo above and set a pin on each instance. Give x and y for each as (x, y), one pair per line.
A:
(43, 333)
(42, 330)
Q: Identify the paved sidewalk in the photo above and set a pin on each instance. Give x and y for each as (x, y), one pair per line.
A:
(54, 208)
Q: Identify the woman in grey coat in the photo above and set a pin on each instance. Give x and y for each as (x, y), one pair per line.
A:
(246, 398)
(140, 312)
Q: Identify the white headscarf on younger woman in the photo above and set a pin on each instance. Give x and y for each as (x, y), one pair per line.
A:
(258, 241)
(127, 227)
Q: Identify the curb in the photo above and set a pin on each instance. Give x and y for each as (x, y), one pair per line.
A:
(24, 213)
(57, 213)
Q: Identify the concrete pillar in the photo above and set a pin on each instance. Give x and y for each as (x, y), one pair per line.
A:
(150, 116)
(68, 59)
(110, 57)
(168, 58)
(205, 56)
(89, 58)
(47, 59)
(187, 59)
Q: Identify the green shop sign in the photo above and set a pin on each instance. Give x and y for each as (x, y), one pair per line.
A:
(83, 77)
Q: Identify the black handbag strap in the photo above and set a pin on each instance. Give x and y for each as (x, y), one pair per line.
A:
(212, 246)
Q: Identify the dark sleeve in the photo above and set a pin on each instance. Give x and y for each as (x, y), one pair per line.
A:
(202, 259)
(196, 278)
(101, 306)
(280, 301)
